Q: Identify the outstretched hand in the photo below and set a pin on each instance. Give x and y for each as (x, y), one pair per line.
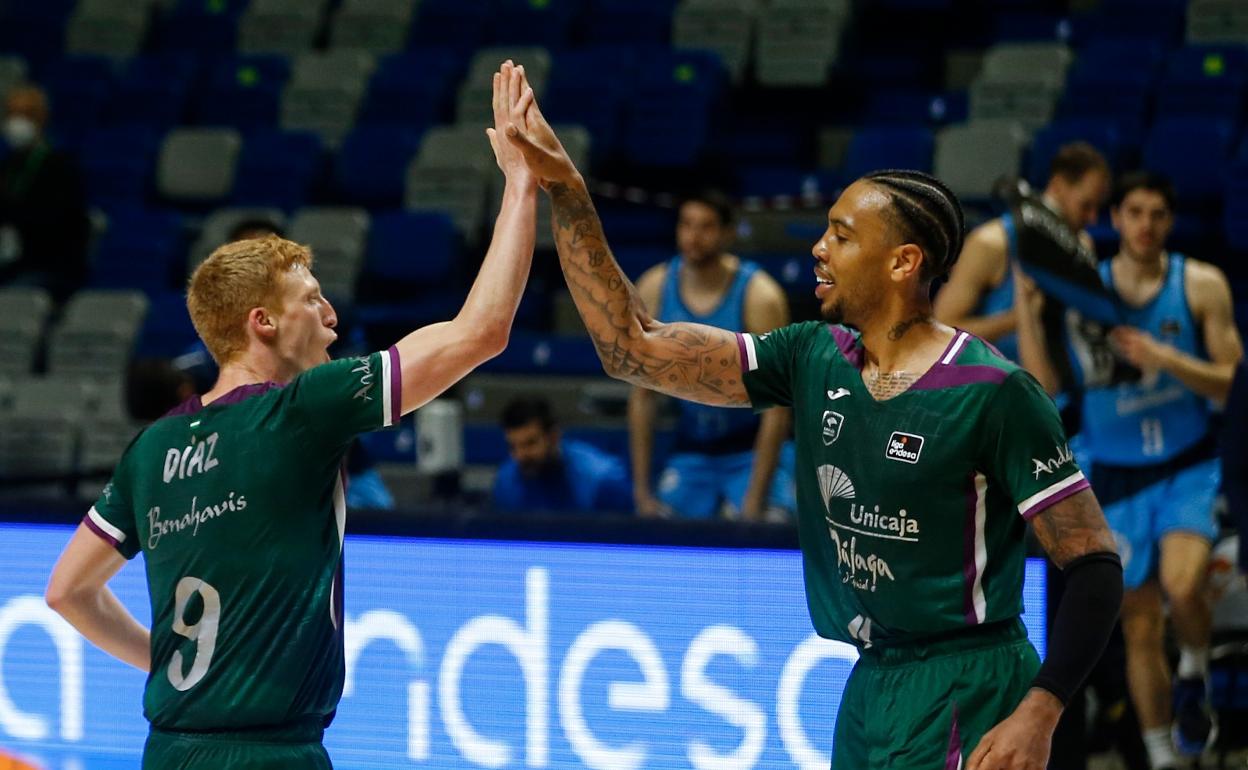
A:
(533, 137)
(512, 96)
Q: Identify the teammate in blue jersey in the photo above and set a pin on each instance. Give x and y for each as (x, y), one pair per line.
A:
(720, 455)
(1154, 464)
(236, 498)
(979, 295)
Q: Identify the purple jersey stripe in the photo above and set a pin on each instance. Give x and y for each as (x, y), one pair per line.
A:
(91, 525)
(1055, 498)
(952, 375)
(953, 755)
(745, 356)
(968, 553)
(396, 386)
(848, 344)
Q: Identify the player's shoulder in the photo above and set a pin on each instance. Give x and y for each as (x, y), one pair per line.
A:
(1203, 276)
(977, 356)
(990, 235)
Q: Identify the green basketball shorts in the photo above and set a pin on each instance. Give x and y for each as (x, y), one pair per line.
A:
(286, 748)
(925, 705)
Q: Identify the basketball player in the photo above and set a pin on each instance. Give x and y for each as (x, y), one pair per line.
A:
(236, 499)
(1153, 453)
(915, 456)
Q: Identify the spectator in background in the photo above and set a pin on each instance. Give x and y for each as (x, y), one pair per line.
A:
(979, 296)
(721, 456)
(549, 473)
(44, 228)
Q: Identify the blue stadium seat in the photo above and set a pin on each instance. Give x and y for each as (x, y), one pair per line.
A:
(635, 260)
(628, 22)
(36, 30)
(1235, 212)
(277, 168)
(167, 330)
(1205, 80)
(743, 139)
(411, 250)
(119, 163)
(461, 24)
(628, 224)
(242, 91)
(532, 353)
(1028, 26)
(1159, 21)
(879, 147)
(908, 105)
(794, 181)
(524, 22)
(668, 117)
(372, 164)
(1104, 135)
(398, 95)
(140, 250)
(154, 89)
(577, 93)
(78, 89)
(1113, 79)
(203, 26)
(1193, 152)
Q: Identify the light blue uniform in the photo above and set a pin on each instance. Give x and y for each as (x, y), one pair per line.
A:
(713, 455)
(1153, 463)
(1001, 297)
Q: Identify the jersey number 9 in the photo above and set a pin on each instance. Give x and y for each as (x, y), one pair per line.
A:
(204, 632)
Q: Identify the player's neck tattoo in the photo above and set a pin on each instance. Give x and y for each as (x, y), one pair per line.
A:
(899, 331)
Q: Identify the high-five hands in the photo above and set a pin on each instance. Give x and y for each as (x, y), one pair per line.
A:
(533, 137)
(512, 98)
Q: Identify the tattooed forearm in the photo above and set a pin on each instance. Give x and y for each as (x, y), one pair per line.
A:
(1072, 528)
(692, 361)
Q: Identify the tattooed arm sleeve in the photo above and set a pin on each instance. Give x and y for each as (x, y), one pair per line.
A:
(686, 360)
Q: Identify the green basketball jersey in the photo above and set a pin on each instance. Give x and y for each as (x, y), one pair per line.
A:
(239, 508)
(911, 510)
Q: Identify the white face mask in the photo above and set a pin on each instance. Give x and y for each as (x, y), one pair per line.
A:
(20, 132)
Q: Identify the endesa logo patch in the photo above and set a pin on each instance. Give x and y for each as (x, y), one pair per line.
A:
(905, 447)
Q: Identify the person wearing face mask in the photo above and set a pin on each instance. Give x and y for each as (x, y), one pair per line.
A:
(44, 229)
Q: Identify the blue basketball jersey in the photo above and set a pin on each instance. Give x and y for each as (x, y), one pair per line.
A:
(1156, 418)
(1001, 297)
(711, 429)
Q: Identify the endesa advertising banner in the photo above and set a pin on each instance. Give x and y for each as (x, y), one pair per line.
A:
(490, 654)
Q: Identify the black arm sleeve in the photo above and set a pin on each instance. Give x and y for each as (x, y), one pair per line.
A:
(1084, 619)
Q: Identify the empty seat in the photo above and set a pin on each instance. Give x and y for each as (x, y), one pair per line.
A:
(88, 307)
(38, 453)
(26, 302)
(113, 28)
(879, 147)
(575, 95)
(243, 91)
(280, 26)
(628, 22)
(1204, 80)
(20, 338)
(277, 168)
(337, 237)
(103, 442)
(118, 163)
(376, 26)
(324, 93)
(409, 251)
(450, 174)
(970, 158)
(78, 88)
(203, 27)
(197, 164)
(154, 89)
(372, 163)
(1028, 62)
(1194, 153)
(1217, 21)
(219, 225)
(722, 26)
(1235, 210)
(140, 249)
(1020, 82)
(1113, 79)
(668, 114)
(395, 97)
(798, 40)
(462, 24)
(473, 103)
(523, 22)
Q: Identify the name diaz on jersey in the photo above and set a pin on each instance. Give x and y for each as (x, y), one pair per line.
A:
(194, 459)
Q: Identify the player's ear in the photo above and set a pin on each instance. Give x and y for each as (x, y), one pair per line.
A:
(261, 323)
(906, 262)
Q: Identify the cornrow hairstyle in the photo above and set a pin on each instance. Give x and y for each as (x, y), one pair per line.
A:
(927, 213)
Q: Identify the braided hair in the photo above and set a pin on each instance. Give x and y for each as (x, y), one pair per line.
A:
(927, 213)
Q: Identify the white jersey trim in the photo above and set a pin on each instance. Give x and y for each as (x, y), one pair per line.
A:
(1027, 505)
(104, 524)
(953, 349)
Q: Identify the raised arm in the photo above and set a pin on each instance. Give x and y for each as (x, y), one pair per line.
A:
(690, 361)
(437, 356)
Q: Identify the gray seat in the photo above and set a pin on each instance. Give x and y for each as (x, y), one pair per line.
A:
(103, 441)
(113, 28)
(473, 102)
(285, 27)
(198, 164)
(218, 225)
(337, 236)
(86, 308)
(12, 72)
(1020, 82)
(376, 26)
(798, 40)
(1217, 21)
(451, 173)
(51, 397)
(29, 302)
(33, 448)
(723, 26)
(100, 351)
(324, 93)
(19, 345)
(1027, 63)
(970, 158)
